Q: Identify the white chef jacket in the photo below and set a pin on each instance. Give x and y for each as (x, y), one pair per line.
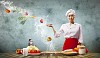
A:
(71, 31)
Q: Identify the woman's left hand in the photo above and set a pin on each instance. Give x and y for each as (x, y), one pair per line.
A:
(79, 43)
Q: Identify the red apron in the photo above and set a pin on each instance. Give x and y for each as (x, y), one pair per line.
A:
(70, 43)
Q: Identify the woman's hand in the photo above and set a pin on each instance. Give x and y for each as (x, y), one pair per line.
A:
(80, 43)
(49, 25)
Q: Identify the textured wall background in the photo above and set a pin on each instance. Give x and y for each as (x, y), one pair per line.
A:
(14, 35)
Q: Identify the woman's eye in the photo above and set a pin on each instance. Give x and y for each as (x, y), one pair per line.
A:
(69, 15)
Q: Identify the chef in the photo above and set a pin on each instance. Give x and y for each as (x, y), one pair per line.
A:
(72, 31)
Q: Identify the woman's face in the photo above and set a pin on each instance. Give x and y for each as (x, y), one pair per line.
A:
(71, 18)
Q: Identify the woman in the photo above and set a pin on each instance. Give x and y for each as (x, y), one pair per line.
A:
(72, 31)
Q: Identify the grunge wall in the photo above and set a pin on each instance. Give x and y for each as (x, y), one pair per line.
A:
(14, 35)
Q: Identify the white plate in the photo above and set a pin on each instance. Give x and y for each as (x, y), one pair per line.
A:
(68, 50)
(48, 52)
(34, 53)
(70, 53)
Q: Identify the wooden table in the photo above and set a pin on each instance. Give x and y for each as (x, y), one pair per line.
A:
(49, 55)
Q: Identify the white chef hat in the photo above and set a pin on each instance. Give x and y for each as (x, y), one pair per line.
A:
(69, 12)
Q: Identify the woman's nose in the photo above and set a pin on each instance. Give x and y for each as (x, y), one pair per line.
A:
(70, 17)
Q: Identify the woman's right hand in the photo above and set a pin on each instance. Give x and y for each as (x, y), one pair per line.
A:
(49, 25)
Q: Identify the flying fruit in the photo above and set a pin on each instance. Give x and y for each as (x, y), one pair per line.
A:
(41, 20)
(7, 11)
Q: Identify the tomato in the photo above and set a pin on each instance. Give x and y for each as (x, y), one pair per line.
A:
(41, 21)
(86, 50)
(31, 51)
(35, 51)
(38, 51)
(18, 51)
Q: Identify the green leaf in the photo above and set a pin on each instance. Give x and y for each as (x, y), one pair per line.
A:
(22, 18)
(23, 22)
(14, 11)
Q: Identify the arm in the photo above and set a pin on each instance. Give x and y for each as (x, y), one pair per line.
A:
(50, 25)
(54, 30)
(55, 33)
